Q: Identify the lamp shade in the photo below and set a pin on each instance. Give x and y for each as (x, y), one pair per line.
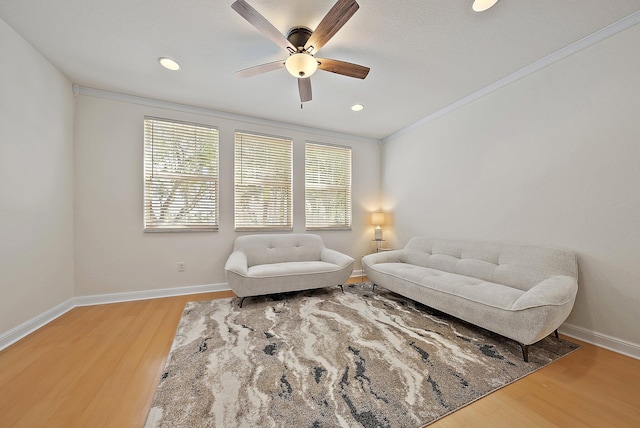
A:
(377, 218)
(301, 65)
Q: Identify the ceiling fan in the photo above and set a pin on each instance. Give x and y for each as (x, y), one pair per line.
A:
(303, 44)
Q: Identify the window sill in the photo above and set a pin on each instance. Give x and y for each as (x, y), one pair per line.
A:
(180, 229)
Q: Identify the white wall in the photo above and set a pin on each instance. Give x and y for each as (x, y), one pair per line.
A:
(551, 159)
(112, 252)
(36, 187)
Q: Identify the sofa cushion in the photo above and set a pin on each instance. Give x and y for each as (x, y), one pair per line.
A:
(465, 287)
(291, 268)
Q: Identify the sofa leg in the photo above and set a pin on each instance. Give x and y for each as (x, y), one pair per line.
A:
(342, 288)
(525, 352)
(242, 301)
(555, 333)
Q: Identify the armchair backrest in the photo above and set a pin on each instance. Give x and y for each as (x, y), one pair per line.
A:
(279, 248)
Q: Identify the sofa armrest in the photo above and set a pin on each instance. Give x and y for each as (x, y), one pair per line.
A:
(337, 258)
(555, 291)
(395, 256)
(237, 263)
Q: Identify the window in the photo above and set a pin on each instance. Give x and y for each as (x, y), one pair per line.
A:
(180, 176)
(262, 188)
(327, 186)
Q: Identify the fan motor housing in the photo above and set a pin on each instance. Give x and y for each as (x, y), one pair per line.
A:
(298, 37)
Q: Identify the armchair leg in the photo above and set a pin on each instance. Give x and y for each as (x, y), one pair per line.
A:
(525, 352)
(242, 301)
(341, 288)
(555, 333)
(373, 286)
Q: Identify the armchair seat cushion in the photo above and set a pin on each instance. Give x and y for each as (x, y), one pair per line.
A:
(291, 268)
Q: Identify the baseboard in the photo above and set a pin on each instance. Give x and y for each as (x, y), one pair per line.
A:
(24, 329)
(12, 336)
(602, 340)
(357, 273)
(102, 299)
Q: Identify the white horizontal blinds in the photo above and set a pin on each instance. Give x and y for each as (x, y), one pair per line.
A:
(263, 182)
(327, 186)
(180, 176)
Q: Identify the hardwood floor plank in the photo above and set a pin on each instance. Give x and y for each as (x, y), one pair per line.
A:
(99, 366)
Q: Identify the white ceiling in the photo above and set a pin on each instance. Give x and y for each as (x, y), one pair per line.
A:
(424, 54)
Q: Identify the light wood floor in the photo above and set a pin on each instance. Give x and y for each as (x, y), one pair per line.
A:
(98, 366)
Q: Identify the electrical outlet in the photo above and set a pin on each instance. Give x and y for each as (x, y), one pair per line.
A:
(181, 267)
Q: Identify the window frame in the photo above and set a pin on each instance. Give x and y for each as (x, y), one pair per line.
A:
(286, 225)
(348, 189)
(214, 180)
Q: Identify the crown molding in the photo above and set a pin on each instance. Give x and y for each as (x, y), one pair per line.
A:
(590, 40)
(151, 102)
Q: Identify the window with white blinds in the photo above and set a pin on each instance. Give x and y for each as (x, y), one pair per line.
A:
(263, 182)
(180, 176)
(327, 186)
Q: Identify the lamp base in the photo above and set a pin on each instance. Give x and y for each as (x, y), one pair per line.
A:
(377, 234)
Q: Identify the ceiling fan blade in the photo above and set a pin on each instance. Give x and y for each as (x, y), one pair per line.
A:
(339, 14)
(342, 67)
(262, 68)
(261, 23)
(304, 87)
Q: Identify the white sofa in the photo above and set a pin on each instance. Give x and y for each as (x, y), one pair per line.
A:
(523, 292)
(277, 263)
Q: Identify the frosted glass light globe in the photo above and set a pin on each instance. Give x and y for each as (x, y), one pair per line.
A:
(301, 65)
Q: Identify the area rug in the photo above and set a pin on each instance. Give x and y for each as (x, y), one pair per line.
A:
(325, 358)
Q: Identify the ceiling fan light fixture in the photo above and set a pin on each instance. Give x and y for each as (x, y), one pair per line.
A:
(482, 5)
(169, 63)
(301, 65)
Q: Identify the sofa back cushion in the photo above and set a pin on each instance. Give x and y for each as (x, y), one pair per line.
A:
(279, 248)
(515, 265)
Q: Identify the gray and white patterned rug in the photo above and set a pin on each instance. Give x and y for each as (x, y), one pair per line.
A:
(324, 358)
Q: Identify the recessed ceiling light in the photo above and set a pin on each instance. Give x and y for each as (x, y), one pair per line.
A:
(357, 107)
(482, 5)
(169, 63)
